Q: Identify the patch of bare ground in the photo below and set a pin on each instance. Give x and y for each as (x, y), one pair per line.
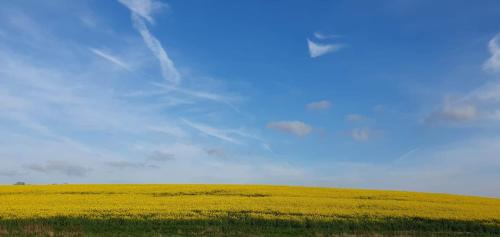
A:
(3, 231)
(37, 230)
(45, 231)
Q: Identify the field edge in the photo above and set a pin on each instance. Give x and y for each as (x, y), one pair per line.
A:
(242, 225)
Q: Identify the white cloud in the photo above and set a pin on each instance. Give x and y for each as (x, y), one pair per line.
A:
(488, 93)
(477, 107)
(201, 95)
(11, 173)
(322, 36)
(214, 132)
(144, 8)
(360, 134)
(267, 147)
(319, 105)
(169, 130)
(168, 69)
(177, 152)
(115, 60)
(297, 128)
(121, 164)
(52, 104)
(85, 106)
(467, 167)
(453, 113)
(480, 106)
(493, 63)
(235, 136)
(217, 152)
(64, 167)
(161, 156)
(88, 21)
(318, 49)
(355, 118)
(62, 103)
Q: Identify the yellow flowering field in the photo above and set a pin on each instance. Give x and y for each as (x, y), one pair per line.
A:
(194, 209)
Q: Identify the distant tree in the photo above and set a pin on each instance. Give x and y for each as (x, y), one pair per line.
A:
(20, 183)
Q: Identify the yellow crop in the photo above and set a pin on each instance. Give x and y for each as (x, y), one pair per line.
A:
(207, 201)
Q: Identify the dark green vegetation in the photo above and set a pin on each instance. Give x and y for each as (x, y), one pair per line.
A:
(239, 224)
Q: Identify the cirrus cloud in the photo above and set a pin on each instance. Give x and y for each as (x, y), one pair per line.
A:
(360, 134)
(453, 113)
(113, 59)
(320, 49)
(143, 9)
(493, 63)
(319, 105)
(297, 128)
(355, 118)
(59, 166)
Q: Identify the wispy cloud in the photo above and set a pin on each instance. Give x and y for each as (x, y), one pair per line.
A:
(355, 118)
(267, 147)
(143, 9)
(235, 136)
(361, 134)
(48, 106)
(453, 113)
(479, 107)
(466, 167)
(198, 94)
(161, 156)
(53, 107)
(127, 164)
(319, 105)
(407, 155)
(169, 130)
(322, 36)
(214, 132)
(297, 128)
(88, 20)
(217, 152)
(173, 152)
(320, 49)
(113, 59)
(54, 97)
(201, 95)
(493, 63)
(63, 167)
(11, 173)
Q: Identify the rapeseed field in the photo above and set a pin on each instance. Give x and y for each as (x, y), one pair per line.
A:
(239, 210)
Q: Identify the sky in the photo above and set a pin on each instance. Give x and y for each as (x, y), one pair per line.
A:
(393, 94)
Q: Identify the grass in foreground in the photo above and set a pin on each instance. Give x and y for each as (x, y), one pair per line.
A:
(239, 210)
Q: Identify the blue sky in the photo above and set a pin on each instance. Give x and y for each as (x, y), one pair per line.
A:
(399, 94)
